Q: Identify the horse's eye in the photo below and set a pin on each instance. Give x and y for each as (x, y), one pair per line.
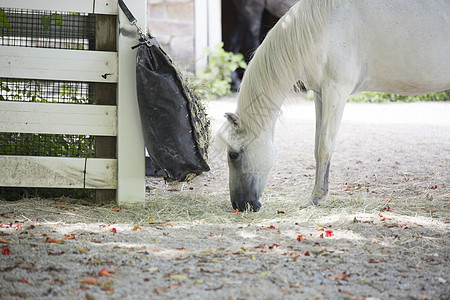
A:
(233, 155)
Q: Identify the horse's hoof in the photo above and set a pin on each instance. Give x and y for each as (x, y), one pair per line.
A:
(307, 203)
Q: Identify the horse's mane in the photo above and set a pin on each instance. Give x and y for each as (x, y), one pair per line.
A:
(287, 55)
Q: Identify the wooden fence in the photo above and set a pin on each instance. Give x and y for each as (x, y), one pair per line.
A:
(118, 168)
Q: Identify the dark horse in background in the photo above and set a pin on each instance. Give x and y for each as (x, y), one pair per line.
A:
(248, 30)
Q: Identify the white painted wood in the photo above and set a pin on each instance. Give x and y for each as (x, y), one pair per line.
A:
(56, 64)
(201, 34)
(61, 172)
(214, 22)
(81, 6)
(58, 118)
(208, 29)
(106, 7)
(130, 143)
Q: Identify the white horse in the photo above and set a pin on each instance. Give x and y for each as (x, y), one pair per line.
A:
(335, 48)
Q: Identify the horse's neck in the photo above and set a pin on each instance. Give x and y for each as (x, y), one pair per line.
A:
(259, 110)
(270, 75)
(263, 91)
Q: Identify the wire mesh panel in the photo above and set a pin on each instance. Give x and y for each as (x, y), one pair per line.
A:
(46, 29)
(47, 91)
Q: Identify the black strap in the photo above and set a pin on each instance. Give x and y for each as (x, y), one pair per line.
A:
(127, 12)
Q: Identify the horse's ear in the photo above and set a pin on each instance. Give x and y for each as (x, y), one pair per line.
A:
(233, 119)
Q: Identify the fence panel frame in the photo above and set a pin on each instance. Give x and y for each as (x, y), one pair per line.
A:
(126, 172)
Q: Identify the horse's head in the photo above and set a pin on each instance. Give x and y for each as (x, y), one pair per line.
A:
(250, 158)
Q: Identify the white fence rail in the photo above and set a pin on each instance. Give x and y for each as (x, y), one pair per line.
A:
(125, 173)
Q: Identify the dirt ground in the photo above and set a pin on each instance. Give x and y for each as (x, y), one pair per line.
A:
(383, 234)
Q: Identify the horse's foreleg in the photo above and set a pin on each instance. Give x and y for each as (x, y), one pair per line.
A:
(329, 108)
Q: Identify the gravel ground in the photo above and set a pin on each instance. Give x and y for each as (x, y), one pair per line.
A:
(383, 234)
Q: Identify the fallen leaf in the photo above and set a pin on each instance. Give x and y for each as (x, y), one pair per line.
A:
(55, 280)
(181, 249)
(106, 285)
(264, 275)
(136, 227)
(92, 280)
(25, 281)
(151, 269)
(115, 209)
(172, 190)
(81, 250)
(55, 253)
(340, 276)
(106, 273)
(50, 240)
(301, 238)
(30, 227)
(328, 232)
(160, 290)
(280, 212)
(274, 245)
(18, 226)
(178, 277)
(268, 227)
(236, 211)
(150, 219)
(6, 251)
(2, 240)
(69, 237)
(345, 292)
(61, 203)
(434, 187)
(209, 271)
(113, 230)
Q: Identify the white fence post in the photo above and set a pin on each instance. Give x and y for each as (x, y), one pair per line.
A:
(130, 143)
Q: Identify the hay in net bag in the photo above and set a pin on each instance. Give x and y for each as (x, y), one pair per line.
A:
(174, 122)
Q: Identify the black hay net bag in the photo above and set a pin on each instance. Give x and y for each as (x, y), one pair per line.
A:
(174, 122)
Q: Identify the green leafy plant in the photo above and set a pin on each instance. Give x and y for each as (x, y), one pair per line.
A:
(383, 97)
(4, 22)
(377, 97)
(215, 81)
(47, 20)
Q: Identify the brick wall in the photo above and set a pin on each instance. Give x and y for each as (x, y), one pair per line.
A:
(172, 23)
